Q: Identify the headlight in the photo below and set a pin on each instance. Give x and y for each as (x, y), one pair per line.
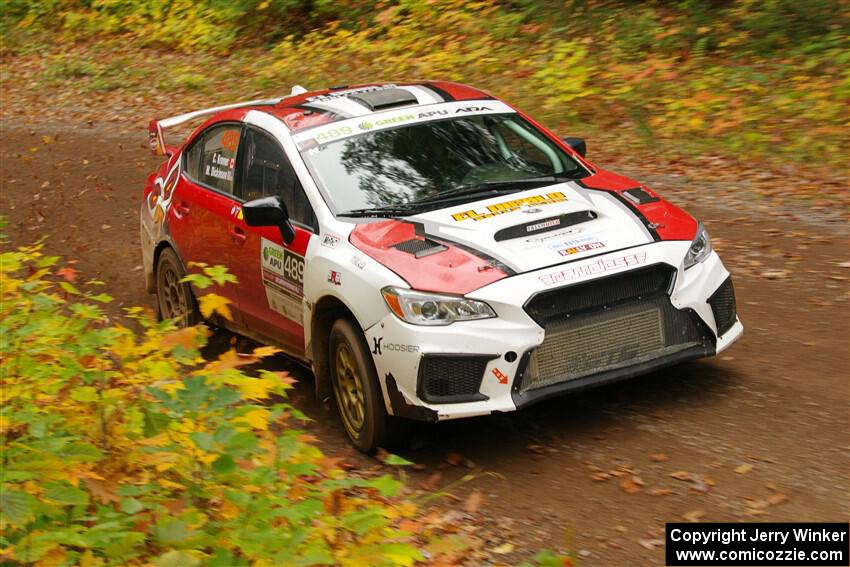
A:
(431, 309)
(700, 248)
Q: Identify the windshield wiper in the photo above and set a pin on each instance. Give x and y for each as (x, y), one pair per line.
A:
(388, 211)
(494, 187)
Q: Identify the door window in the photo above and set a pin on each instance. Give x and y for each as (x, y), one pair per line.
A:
(266, 171)
(211, 160)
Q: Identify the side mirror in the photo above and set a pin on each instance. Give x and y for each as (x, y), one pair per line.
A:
(269, 211)
(577, 144)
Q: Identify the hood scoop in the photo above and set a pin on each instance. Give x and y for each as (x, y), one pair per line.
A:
(544, 225)
(420, 247)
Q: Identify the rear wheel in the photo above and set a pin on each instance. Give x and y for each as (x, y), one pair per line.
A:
(174, 299)
(358, 392)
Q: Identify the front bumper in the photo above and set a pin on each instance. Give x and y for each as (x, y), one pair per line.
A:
(599, 325)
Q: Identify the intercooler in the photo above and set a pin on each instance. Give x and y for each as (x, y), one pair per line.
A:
(608, 324)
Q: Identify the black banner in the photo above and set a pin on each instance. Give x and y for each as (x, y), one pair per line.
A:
(758, 545)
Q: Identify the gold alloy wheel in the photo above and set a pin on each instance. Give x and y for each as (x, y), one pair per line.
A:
(173, 294)
(349, 389)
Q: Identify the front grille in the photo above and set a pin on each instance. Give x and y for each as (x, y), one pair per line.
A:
(451, 378)
(723, 306)
(606, 325)
(603, 293)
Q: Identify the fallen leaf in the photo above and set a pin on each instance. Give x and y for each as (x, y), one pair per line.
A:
(693, 515)
(600, 476)
(659, 457)
(473, 501)
(651, 544)
(744, 469)
(681, 475)
(504, 548)
(454, 459)
(660, 492)
(777, 499)
(629, 486)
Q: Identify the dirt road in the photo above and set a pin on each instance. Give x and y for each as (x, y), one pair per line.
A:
(759, 433)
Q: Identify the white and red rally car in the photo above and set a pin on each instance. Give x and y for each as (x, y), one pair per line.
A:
(430, 251)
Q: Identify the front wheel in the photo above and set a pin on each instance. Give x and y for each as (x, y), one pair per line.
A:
(358, 393)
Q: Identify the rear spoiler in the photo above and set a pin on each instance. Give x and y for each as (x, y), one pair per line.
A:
(156, 138)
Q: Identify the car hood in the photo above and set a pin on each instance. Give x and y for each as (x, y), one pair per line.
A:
(539, 227)
(460, 248)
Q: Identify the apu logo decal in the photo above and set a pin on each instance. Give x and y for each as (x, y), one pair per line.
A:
(510, 206)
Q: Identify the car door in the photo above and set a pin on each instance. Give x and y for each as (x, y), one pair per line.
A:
(203, 205)
(270, 272)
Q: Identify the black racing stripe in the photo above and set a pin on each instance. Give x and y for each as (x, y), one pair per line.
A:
(438, 91)
(650, 227)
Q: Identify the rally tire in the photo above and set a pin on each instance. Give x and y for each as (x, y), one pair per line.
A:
(174, 299)
(355, 383)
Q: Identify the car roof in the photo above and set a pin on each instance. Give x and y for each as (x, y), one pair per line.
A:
(315, 108)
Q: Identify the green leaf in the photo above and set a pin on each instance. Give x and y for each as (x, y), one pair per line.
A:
(101, 297)
(69, 288)
(155, 423)
(396, 461)
(15, 506)
(66, 495)
(176, 559)
(386, 485)
(224, 464)
(84, 394)
(131, 506)
(170, 531)
(203, 440)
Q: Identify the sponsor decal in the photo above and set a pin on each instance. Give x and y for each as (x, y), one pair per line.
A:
(581, 248)
(283, 279)
(312, 137)
(230, 140)
(597, 267)
(358, 262)
(511, 206)
(335, 277)
(500, 376)
(541, 225)
(378, 346)
(395, 347)
(330, 240)
(576, 245)
(553, 235)
(535, 210)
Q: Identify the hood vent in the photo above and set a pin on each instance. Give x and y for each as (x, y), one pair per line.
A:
(544, 225)
(639, 197)
(420, 247)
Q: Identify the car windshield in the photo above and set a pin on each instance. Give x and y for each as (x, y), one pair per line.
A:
(434, 164)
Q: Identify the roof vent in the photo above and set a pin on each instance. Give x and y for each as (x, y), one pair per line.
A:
(384, 98)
